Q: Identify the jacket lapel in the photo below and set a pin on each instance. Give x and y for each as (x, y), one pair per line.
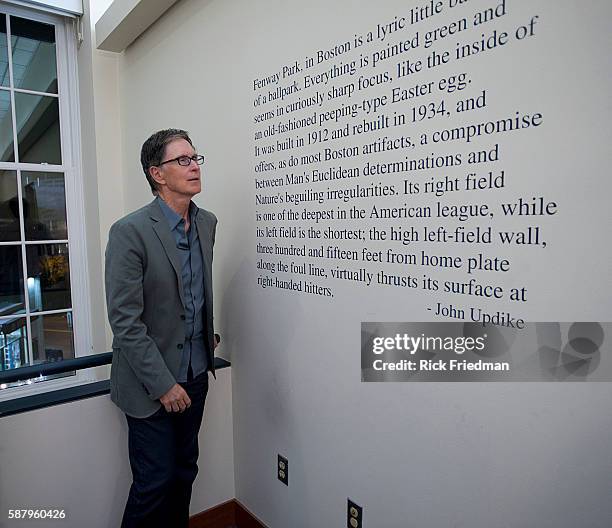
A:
(206, 248)
(160, 226)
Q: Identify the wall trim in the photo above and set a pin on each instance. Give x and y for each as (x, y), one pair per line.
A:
(123, 22)
(230, 514)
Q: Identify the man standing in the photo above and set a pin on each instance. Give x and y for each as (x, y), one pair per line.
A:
(159, 298)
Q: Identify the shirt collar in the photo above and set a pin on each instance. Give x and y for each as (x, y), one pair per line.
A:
(173, 218)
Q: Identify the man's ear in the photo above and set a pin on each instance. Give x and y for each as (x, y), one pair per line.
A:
(156, 174)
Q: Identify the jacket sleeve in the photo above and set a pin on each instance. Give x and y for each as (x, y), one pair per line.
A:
(124, 274)
(214, 228)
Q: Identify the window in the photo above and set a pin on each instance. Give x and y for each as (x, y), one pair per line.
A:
(43, 287)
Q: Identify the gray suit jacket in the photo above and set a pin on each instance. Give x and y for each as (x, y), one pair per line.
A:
(146, 309)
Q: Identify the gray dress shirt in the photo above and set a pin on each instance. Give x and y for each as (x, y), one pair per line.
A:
(188, 246)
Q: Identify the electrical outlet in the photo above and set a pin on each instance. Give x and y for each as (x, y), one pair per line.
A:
(282, 470)
(354, 515)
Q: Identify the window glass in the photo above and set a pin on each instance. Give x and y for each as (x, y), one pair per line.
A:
(6, 127)
(9, 207)
(4, 65)
(13, 342)
(38, 129)
(48, 277)
(33, 51)
(11, 281)
(44, 200)
(52, 337)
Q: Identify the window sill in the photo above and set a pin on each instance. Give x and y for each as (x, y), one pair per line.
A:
(67, 395)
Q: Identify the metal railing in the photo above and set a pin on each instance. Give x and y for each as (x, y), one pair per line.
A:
(22, 404)
(55, 367)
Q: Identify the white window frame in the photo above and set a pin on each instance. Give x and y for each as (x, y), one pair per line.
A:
(70, 134)
(62, 7)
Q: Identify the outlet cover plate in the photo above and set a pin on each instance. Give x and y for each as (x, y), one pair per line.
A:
(282, 470)
(354, 515)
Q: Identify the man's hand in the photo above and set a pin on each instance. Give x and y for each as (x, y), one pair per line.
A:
(176, 399)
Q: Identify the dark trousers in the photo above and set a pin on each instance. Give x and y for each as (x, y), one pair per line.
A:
(163, 451)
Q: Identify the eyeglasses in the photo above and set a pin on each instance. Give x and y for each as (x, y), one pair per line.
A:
(185, 161)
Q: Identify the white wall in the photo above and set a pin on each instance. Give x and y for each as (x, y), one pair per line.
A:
(66, 457)
(73, 457)
(92, 203)
(428, 455)
(108, 139)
